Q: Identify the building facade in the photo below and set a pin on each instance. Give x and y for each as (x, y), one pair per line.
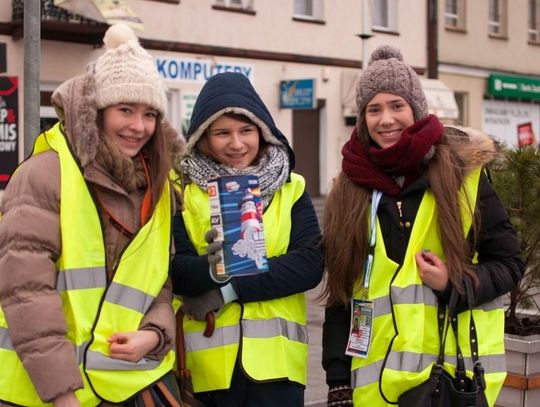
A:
(285, 47)
(489, 55)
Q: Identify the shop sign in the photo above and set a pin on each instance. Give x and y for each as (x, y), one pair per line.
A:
(519, 87)
(197, 70)
(526, 135)
(512, 123)
(9, 132)
(297, 94)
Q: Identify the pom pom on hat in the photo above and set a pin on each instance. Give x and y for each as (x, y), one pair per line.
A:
(385, 52)
(126, 73)
(117, 35)
(387, 73)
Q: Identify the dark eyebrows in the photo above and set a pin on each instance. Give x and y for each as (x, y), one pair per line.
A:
(389, 102)
(218, 130)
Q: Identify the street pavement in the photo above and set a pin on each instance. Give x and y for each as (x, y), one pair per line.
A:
(316, 389)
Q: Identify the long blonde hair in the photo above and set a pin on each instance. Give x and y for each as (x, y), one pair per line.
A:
(345, 238)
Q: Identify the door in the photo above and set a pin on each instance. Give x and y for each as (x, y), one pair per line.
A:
(306, 141)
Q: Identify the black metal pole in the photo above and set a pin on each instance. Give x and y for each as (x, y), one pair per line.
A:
(32, 57)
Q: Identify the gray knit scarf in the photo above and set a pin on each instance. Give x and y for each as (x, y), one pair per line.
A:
(272, 168)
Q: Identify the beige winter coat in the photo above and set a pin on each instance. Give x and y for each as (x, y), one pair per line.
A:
(30, 243)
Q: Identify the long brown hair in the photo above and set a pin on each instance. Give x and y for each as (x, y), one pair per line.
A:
(159, 153)
(345, 237)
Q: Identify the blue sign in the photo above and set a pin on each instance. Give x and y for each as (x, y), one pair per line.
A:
(197, 70)
(297, 94)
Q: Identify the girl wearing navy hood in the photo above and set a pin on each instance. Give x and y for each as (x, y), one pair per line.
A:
(257, 355)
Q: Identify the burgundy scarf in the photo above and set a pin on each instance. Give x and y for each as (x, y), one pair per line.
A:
(374, 168)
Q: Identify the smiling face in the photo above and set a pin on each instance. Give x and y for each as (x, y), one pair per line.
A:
(233, 142)
(129, 126)
(386, 116)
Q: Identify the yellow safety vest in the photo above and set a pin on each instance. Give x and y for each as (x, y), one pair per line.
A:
(401, 356)
(93, 309)
(273, 333)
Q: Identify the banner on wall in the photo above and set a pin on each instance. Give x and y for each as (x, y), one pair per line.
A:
(297, 94)
(9, 132)
(505, 120)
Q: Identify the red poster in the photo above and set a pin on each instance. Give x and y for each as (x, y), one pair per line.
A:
(9, 130)
(525, 134)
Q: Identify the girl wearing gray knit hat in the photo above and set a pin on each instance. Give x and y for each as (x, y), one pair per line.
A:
(410, 221)
(85, 232)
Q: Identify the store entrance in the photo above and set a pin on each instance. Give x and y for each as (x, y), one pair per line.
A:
(306, 141)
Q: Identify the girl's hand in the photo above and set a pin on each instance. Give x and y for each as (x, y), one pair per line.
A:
(432, 270)
(132, 346)
(66, 400)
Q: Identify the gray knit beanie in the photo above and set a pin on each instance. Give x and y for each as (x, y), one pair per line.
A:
(387, 73)
(126, 73)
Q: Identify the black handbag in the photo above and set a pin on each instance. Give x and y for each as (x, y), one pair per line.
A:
(442, 389)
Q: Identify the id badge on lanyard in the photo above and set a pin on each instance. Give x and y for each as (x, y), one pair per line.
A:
(361, 327)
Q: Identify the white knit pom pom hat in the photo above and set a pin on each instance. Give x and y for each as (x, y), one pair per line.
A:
(126, 73)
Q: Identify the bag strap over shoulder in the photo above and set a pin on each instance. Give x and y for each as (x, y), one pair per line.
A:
(478, 370)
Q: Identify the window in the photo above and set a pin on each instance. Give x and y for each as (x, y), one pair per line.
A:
(384, 15)
(534, 21)
(308, 9)
(242, 4)
(454, 14)
(168, 1)
(497, 18)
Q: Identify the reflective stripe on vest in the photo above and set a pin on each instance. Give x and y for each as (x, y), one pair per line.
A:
(405, 338)
(93, 310)
(273, 332)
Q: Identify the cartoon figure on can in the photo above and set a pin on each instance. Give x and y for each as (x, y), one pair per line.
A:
(251, 242)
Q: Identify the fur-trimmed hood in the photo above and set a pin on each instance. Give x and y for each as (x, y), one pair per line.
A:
(75, 105)
(473, 147)
(233, 93)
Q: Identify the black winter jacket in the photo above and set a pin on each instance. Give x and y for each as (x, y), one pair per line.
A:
(499, 267)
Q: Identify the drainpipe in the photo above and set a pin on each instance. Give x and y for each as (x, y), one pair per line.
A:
(365, 34)
(432, 40)
(32, 55)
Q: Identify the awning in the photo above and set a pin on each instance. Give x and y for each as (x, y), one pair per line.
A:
(104, 11)
(440, 99)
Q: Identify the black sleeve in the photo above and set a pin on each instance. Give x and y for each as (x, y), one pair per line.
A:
(190, 272)
(500, 265)
(335, 336)
(298, 270)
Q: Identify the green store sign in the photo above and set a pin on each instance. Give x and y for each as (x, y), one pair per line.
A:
(520, 87)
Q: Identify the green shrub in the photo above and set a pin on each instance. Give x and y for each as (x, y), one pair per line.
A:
(516, 178)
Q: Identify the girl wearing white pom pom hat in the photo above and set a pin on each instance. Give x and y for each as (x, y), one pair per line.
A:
(85, 295)
(410, 222)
